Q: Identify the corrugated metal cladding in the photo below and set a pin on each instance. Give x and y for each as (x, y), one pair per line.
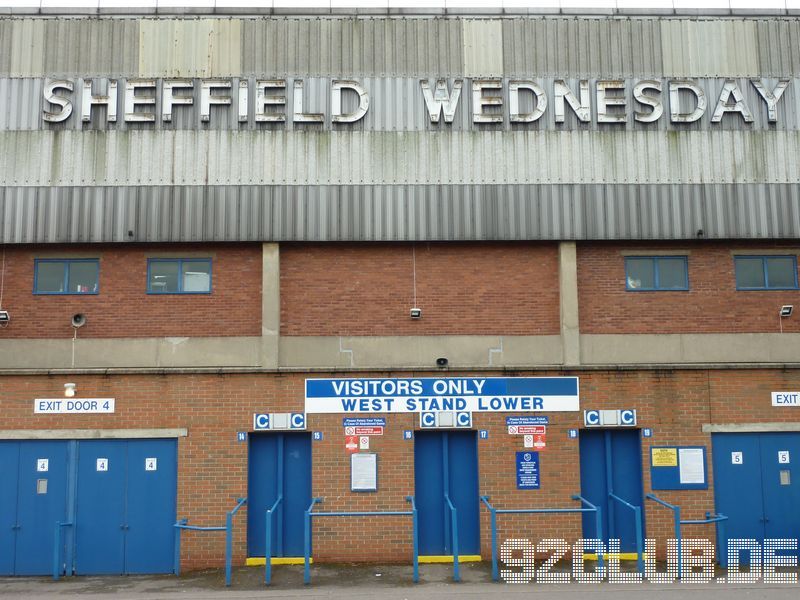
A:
(393, 175)
(389, 213)
(132, 158)
(400, 47)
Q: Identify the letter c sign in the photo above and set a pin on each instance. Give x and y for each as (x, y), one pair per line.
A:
(261, 421)
(297, 421)
(627, 417)
(427, 419)
(591, 418)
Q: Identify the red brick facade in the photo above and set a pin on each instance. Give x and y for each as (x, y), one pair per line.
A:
(712, 304)
(462, 289)
(213, 465)
(123, 308)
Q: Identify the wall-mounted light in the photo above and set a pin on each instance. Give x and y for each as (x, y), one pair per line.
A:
(69, 390)
(786, 310)
(416, 313)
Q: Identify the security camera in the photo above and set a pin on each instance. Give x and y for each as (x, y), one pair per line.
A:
(78, 320)
(416, 313)
(442, 362)
(4, 317)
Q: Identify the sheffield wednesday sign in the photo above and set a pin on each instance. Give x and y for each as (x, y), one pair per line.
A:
(472, 394)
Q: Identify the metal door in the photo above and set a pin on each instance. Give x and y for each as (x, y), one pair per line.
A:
(152, 471)
(9, 492)
(33, 499)
(611, 463)
(755, 484)
(100, 508)
(279, 465)
(446, 465)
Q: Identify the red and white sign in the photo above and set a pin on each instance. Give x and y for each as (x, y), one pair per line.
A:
(527, 429)
(375, 430)
(539, 442)
(351, 443)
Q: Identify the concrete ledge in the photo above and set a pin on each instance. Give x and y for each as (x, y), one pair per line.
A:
(131, 352)
(750, 427)
(756, 348)
(90, 434)
(390, 352)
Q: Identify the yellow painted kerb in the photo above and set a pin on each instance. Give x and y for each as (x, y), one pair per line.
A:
(260, 561)
(621, 555)
(430, 559)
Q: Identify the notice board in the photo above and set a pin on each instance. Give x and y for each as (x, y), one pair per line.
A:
(678, 468)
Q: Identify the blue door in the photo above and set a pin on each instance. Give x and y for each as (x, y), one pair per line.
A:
(611, 463)
(100, 515)
(9, 491)
(126, 506)
(446, 465)
(151, 506)
(756, 484)
(33, 499)
(279, 466)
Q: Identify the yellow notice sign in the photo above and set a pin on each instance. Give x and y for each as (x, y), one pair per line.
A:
(664, 457)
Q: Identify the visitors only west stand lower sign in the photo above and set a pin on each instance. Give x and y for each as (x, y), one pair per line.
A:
(472, 394)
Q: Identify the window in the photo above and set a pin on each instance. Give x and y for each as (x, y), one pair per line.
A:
(72, 276)
(179, 276)
(766, 272)
(651, 273)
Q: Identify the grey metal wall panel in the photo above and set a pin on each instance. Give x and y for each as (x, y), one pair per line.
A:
(347, 47)
(400, 47)
(388, 213)
(71, 158)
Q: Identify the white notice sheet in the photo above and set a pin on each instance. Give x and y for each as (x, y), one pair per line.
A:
(364, 472)
(692, 467)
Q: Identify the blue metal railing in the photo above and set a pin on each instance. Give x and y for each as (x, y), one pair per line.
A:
(454, 537)
(268, 566)
(637, 515)
(307, 530)
(676, 516)
(228, 529)
(57, 549)
(496, 511)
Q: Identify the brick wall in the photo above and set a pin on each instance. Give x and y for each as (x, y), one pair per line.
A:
(122, 308)
(368, 289)
(712, 304)
(213, 465)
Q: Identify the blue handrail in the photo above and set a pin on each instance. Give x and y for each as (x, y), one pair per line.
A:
(454, 537)
(391, 513)
(496, 511)
(228, 529)
(637, 515)
(676, 510)
(57, 549)
(268, 567)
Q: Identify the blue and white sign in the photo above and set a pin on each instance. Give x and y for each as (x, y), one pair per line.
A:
(572, 434)
(317, 436)
(428, 420)
(535, 420)
(241, 436)
(297, 421)
(785, 398)
(408, 434)
(261, 421)
(647, 432)
(625, 417)
(483, 434)
(528, 471)
(368, 422)
(463, 419)
(434, 394)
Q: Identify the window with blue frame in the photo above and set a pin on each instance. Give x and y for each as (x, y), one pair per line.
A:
(656, 273)
(179, 276)
(766, 272)
(66, 276)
